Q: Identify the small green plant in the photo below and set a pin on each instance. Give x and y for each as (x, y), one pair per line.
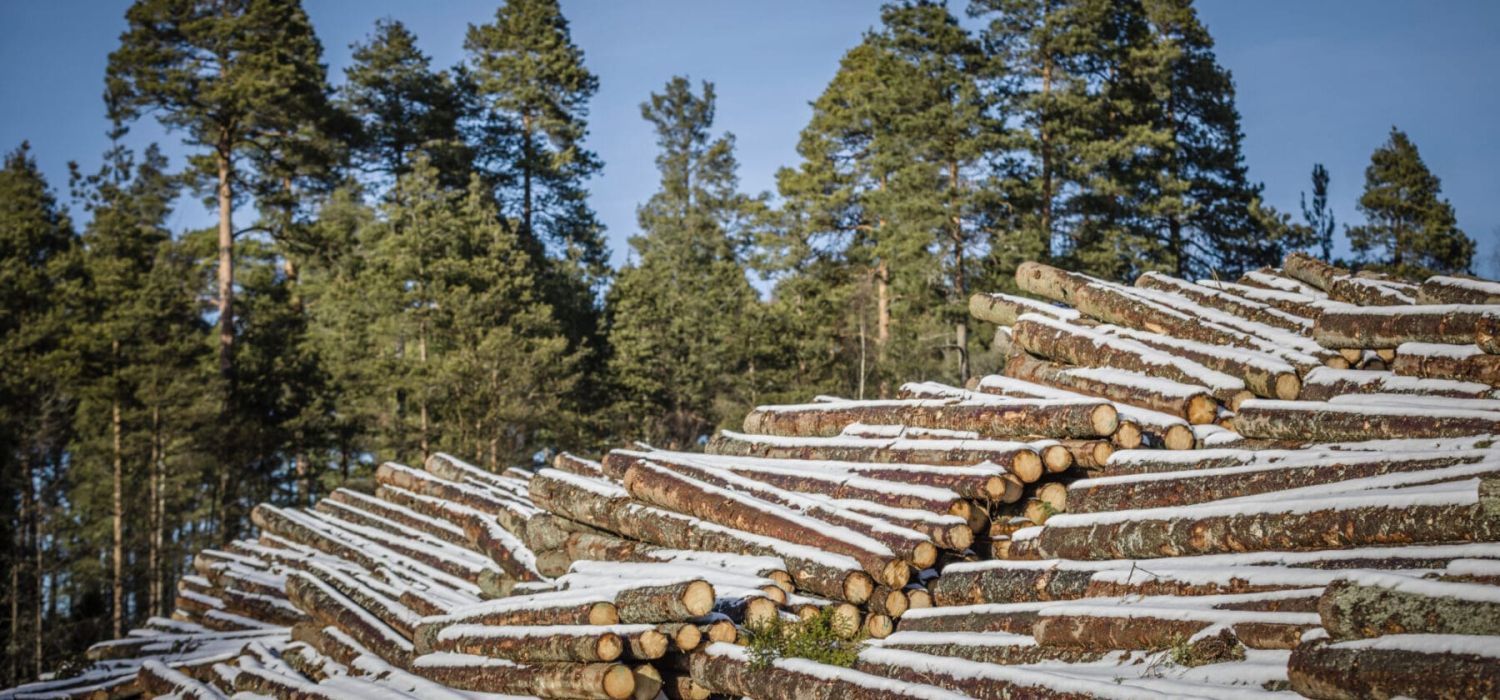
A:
(815, 638)
(1212, 649)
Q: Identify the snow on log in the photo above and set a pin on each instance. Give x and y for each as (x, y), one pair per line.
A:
(598, 681)
(608, 506)
(1073, 419)
(569, 462)
(1320, 421)
(1019, 458)
(986, 681)
(1214, 326)
(1390, 326)
(1303, 305)
(659, 486)
(1003, 309)
(1310, 270)
(434, 527)
(1262, 374)
(1095, 626)
(511, 513)
(157, 679)
(1050, 282)
(985, 647)
(1466, 363)
(1458, 290)
(1085, 347)
(1277, 279)
(1188, 401)
(728, 669)
(1325, 383)
(1374, 604)
(1414, 665)
(1210, 483)
(1365, 291)
(1449, 514)
(538, 644)
(1225, 301)
(1015, 582)
(330, 607)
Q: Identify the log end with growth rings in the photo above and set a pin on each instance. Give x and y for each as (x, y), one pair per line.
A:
(1104, 419)
(1027, 466)
(698, 598)
(1057, 458)
(858, 586)
(619, 682)
(604, 614)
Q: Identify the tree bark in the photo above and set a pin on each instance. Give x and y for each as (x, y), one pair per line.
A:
(326, 605)
(1004, 309)
(676, 602)
(1487, 333)
(1458, 290)
(441, 529)
(1371, 606)
(664, 488)
(1087, 348)
(1325, 383)
(1317, 421)
(1187, 401)
(1071, 419)
(570, 462)
(985, 651)
(1461, 363)
(1009, 585)
(1262, 374)
(1362, 291)
(598, 681)
(511, 514)
(157, 679)
(1017, 458)
(1331, 672)
(1050, 282)
(727, 669)
(1312, 271)
(1376, 328)
(576, 644)
(117, 511)
(1142, 630)
(1225, 301)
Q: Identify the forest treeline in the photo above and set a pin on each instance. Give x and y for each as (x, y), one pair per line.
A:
(406, 260)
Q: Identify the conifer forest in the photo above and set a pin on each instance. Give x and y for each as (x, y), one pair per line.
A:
(407, 263)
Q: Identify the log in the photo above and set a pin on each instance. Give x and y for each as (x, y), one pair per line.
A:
(1312, 271)
(1004, 309)
(1095, 628)
(659, 486)
(435, 527)
(608, 506)
(1261, 374)
(878, 626)
(1390, 326)
(1442, 289)
(1396, 666)
(1127, 436)
(1375, 604)
(1019, 582)
(1018, 458)
(1303, 305)
(511, 513)
(728, 669)
(324, 604)
(1210, 483)
(1362, 291)
(1277, 279)
(156, 679)
(448, 467)
(890, 602)
(1091, 348)
(1013, 618)
(1187, 401)
(1089, 454)
(1225, 301)
(608, 681)
(1356, 520)
(552, 643)
(683, 637)
(1074, 419)
(561, 608)
(1330, 422)
(389, 611)
(986, 647)
(1487, 333)
(1325, 383)
(983, 681)
(648, 682)
(1050, 282)
(569, 462)
(674, 602)
(1466, 363)
(677, 687)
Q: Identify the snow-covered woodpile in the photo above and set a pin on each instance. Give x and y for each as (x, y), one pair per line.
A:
(1284, 484)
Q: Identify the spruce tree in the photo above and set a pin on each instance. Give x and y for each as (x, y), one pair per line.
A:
(38, 275)
(679, 315)
(1409, 228)
(1318, 214)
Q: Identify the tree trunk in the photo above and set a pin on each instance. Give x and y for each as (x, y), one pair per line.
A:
(1381, 604)
(1389, 327)
(1317, 421)
(1487, 333)
(561, 609)
(1310, 270)
(117, 510)
(1087, 348)
(391, 612)
(1050, 282)
(1338, 672)
(569, 462)
(727, 669)
(1005, 309)
(1325, 383)
(663, 488)
(985, 649)
(976, 681)
(1061, 419)
(1017, 458)
(1262, 374)
(1465, 363)
(586, 681)
(608, 507)
(511, 515)
(1143, 630)
(1458, 290)
(668, 603)
(531, 645)
(1362, 291)
(326, 605)
(157, 680)
(1226, 302)
(1187, 401)
(223, 153)
(1009, 585)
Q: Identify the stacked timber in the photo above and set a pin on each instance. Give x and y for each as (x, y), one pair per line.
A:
(1286, 483)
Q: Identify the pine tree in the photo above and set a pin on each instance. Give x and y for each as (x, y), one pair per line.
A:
(1409, 229)
(679, 315)
(1318, 215)
(38, 273)
(404, 107)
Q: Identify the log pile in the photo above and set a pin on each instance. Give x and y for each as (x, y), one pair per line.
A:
(1287, 482)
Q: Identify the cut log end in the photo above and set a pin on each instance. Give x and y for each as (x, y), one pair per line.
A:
(1288, 387)
(651, 644)
(1127, 436)
(1057, 458)
(1054, 495)
(619, 682)
(879, 626)
(1179, 437)
(783, 579)
(896, 603)
(897, 573)
(845, 620)
(698, 598)
(1202, 409)
(918, 598)
(648, 682)
(858, 586)
(609, 647)
(1104, 419)
(721, 631)
(960, 537)
(1027, 466)
(760, 611)
(605, 614)
(1013, 490)
(924, 555)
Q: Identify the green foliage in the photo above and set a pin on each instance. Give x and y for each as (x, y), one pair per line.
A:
(1318, 214)
(682, 317)
(815, 638)
(1409, 229)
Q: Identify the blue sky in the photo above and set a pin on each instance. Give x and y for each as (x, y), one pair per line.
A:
(1317, 82)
